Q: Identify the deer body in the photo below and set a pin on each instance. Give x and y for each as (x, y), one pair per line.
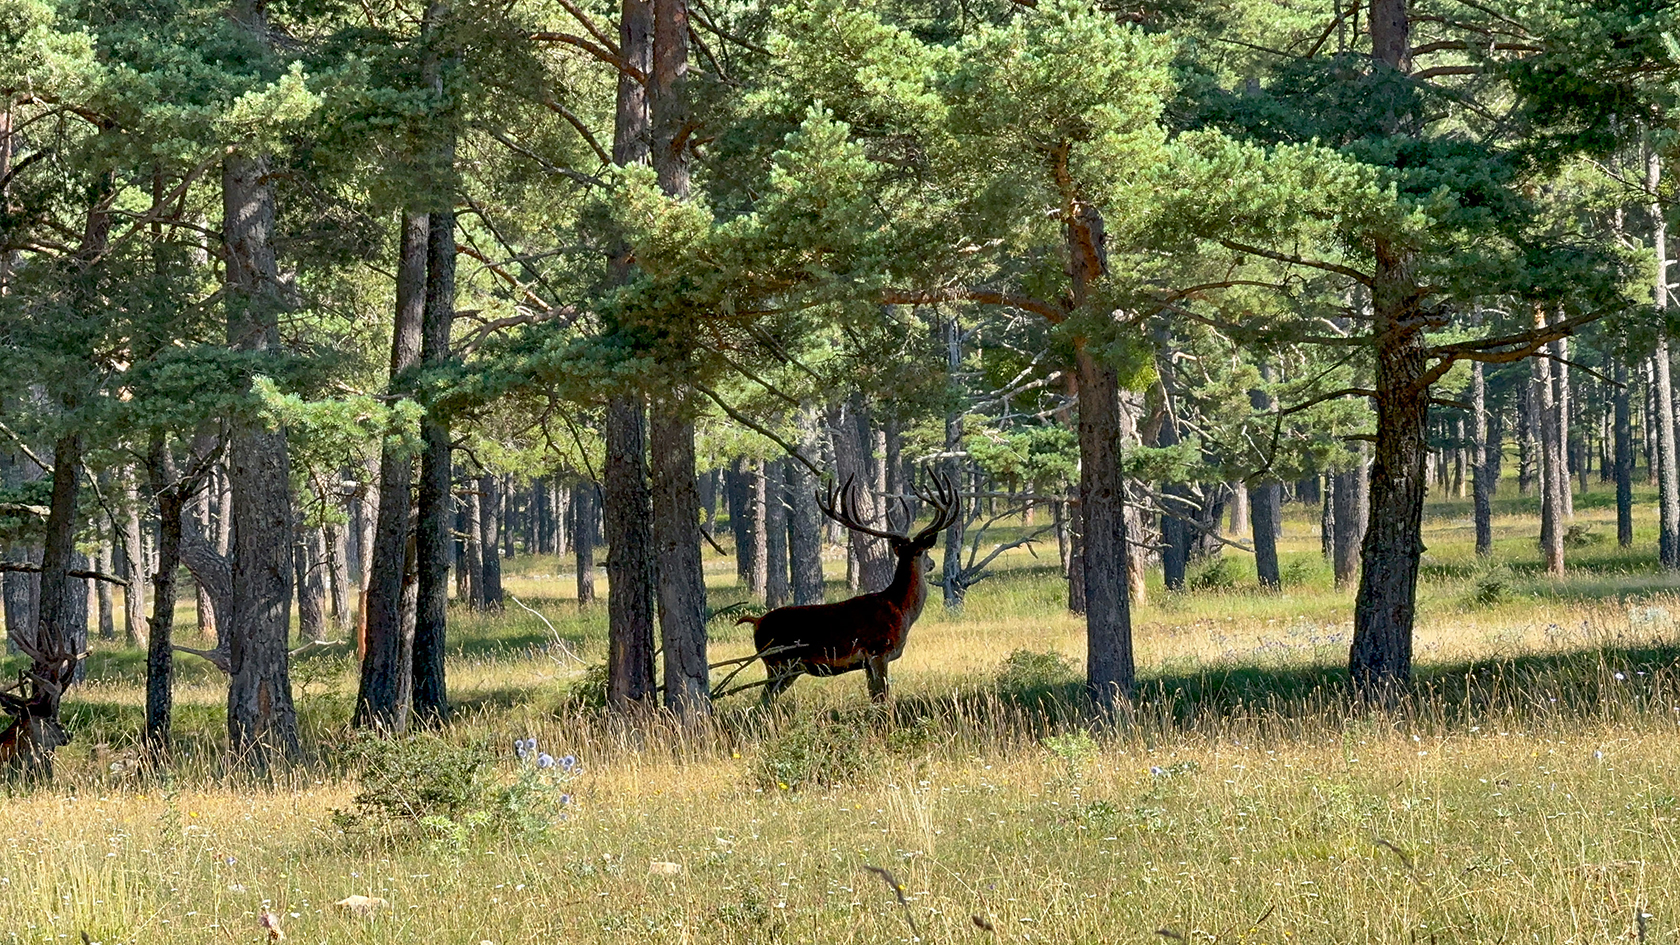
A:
(864, 632)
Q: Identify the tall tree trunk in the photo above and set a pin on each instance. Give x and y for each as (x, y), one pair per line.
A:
(629, 524)
(333, 551)
(1110, 672)
(490, 538)
(1265, 505)
(628, 504)
(160, 652)
(436, 514)
(133, 570)
(583, 546)
(1327, 518)
(1564, 431)
(1624, 455)
(388, 663)
(676, 531)
(1668, 466)
(777, 589)
(1554, 473)
(1481, 485)
(471, 504)
(311, 590)
(676, 497)
(805, 522)
(104, 603)
(852, 469)
(1380, 659)
(1528, 450)
(261, 718)
(1239, 509)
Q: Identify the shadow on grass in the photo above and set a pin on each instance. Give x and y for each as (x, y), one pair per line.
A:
(1574, 685)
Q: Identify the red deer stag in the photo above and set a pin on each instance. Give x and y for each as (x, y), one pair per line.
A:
(867, 631)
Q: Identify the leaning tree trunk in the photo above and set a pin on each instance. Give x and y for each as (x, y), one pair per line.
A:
(1380, 659)
(387, 666)
(261, 718)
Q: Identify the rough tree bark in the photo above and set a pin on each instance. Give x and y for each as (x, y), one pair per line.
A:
(676, 496)
(1481, 486)
(1554, 472)
(261, 718)
(1380, 659)
(387, 665)
(1624, 456)
(433, 500)
(1662, 393)
(583, 543)
(852, 464)
(805, 522)
(777, 589)
(490, 538)
(628, 504)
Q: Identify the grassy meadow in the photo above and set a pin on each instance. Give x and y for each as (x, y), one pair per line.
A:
(1527, 795)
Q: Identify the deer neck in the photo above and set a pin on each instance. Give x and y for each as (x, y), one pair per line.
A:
(908, 589)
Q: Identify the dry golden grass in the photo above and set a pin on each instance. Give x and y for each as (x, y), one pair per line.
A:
(1528, 794)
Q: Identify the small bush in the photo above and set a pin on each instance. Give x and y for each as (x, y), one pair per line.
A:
(590, 691)
(1296, 573)
(423, 786)
(1031, 669)
(1214, 576)
(1492, 588)
(1580, 536)
(1076, 748)
(817, 752)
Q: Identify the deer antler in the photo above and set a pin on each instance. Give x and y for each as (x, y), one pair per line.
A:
(841, 506)
(944, 502)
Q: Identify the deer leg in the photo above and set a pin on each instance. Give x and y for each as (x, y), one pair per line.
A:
(876, 670)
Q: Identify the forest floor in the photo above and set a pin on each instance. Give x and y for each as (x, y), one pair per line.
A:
(1528, 794)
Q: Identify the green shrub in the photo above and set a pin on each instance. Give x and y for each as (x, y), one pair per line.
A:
(1580, 536)
(421, 786)
(815, 752)
(1214, 576)
(590, 690)
(1492, 588)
